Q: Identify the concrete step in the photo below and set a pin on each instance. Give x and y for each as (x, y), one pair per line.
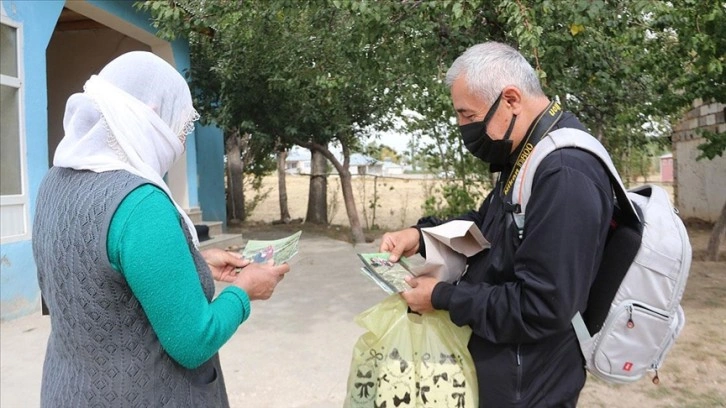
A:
(223, 241)
(215, 227)
(195, 214)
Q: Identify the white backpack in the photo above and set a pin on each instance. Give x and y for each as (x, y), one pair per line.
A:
(633, 315)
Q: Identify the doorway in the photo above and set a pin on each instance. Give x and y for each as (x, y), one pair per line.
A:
(79, 48)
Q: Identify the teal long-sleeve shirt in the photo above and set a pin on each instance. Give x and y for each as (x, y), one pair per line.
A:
(146, 245)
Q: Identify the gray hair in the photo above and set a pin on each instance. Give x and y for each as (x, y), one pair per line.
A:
(490, 67)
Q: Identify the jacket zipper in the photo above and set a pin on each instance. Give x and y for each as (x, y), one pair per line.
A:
(518, 391)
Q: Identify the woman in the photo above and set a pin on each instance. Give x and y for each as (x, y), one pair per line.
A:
(130, 296)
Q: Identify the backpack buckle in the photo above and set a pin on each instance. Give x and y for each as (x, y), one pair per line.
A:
(512, 208)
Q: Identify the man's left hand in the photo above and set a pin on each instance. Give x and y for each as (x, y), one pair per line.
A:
(224, 264)
(418, 296)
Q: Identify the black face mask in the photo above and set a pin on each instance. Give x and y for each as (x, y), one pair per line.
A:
(481, 145)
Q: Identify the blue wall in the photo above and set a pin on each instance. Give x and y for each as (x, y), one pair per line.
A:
(19, 293)
(210, 164)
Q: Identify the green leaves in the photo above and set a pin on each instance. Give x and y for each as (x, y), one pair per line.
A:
(457, 10)
(714, 146)
(576, 29)
(328, 67)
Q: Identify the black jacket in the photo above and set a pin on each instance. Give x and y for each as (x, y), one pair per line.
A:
(519, 297)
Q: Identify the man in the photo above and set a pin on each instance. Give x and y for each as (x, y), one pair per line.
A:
(519, 295)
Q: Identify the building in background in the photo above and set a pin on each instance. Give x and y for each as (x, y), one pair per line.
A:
(699, 185)
(48, 50)
(666, 168)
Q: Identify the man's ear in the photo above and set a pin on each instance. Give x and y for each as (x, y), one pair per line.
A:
(512, 99)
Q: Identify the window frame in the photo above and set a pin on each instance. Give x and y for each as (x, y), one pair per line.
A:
(18, 83)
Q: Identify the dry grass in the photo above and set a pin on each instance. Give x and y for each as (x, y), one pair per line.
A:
(694, 373)
(398, 200)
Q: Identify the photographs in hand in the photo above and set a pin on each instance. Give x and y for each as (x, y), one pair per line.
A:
(388, 275)
(279, 250)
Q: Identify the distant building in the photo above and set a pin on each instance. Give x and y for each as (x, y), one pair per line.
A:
(699, 185)
(392, 169)
(298, 162)
(666, 168)
(362, 164)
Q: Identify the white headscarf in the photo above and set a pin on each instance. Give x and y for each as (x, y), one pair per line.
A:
(134, 116)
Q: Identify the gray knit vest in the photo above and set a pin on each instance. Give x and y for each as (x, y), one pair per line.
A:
(102, 351)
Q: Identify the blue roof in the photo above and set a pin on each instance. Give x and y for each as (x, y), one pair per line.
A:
(298, 154)
(357, 159)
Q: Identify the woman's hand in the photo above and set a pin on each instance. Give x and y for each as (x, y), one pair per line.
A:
(259, 280)
(224, 265)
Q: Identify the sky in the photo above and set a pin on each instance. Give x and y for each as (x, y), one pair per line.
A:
(398, 140)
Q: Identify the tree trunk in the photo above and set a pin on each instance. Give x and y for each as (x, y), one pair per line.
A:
(346, 186)
(318, 192)
(715, 240)
(413, 145)
(599, 134)
(440, 142)
(282, 187)
(235, 178)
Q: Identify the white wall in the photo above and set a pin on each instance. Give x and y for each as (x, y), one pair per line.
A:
(701, 184)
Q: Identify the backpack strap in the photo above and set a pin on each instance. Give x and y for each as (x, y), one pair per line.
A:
(569, 138)
(558, 139)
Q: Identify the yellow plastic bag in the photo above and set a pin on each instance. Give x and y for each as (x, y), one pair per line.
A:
(410, 360)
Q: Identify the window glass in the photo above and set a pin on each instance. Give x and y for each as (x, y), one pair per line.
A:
(8, 51)
(10, 180)
(13, 200)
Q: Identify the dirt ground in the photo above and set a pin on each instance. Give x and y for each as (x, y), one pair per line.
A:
(694, 372)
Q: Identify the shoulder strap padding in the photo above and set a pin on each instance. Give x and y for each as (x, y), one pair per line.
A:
(566, 138)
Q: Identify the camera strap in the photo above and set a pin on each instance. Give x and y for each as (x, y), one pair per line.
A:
(542, 126)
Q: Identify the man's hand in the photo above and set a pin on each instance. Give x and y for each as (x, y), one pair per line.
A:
(259, 280)
(403, 242)
(224, 264)
(419, 296)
